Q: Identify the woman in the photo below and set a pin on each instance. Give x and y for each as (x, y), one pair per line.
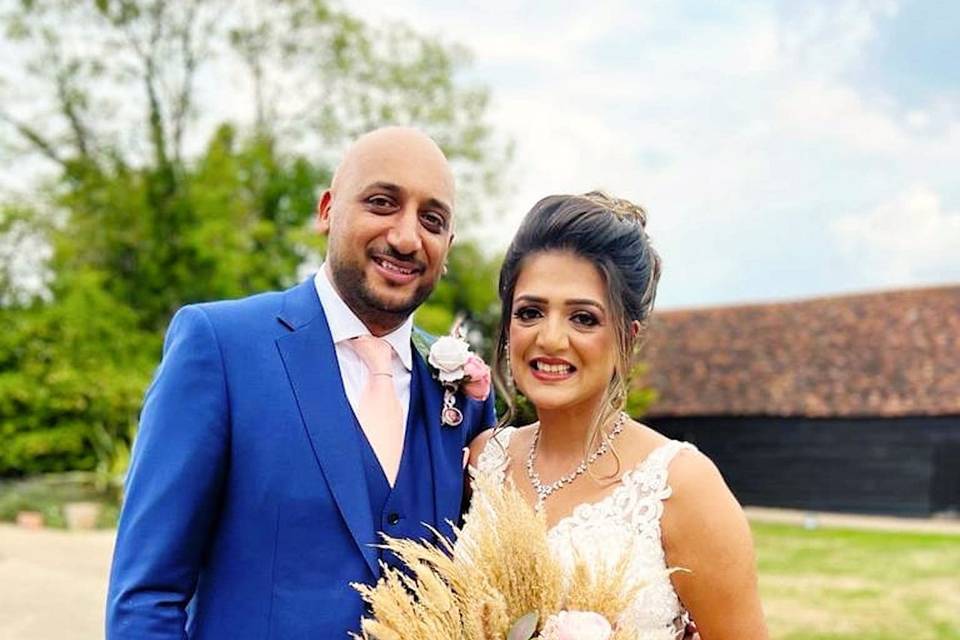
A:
(577, 288)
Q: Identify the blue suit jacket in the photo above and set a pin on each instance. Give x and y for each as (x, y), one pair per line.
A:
(246, 512)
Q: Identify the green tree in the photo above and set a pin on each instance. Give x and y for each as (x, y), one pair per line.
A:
(168, 184)
(70, 372)
(122, 102)
(468, 290)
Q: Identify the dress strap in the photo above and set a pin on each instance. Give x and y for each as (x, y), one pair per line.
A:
(654, 470)
(494, 458)
(663, 455)
(651, 477)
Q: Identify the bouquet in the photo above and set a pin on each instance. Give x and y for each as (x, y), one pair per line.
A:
(499, 581)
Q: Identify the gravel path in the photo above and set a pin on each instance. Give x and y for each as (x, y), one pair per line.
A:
(950, 526)
(53, 583)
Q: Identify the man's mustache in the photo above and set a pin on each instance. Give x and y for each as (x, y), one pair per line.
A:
(407, 259)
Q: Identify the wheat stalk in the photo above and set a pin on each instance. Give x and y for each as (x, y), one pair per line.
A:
(500, 569)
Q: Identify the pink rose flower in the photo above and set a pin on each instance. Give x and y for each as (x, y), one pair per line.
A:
(576, 625)
(478, 378)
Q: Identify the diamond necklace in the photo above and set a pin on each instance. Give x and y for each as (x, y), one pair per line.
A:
(545, 490)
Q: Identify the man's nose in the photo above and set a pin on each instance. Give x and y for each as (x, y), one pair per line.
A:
(404, 234)
(552, 336)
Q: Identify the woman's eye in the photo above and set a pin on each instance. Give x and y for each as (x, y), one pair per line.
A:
(586, 319)
(526, 313)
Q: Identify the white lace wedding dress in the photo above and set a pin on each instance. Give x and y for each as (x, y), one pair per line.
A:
(601, 531)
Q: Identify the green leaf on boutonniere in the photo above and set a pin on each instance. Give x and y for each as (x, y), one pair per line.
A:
(525, 627)
(422, 341)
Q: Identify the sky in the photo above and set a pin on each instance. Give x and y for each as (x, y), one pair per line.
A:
(783, 150)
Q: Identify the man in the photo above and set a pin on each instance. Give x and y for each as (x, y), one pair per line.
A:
(284, 431)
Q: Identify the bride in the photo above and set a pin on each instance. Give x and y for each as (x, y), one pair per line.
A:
(577, 287)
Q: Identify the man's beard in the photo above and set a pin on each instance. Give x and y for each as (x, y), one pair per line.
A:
(351, 283)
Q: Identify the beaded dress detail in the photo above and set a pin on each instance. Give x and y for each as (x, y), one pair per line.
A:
(629, 517)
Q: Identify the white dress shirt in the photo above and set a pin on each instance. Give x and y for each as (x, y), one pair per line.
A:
(344, 325)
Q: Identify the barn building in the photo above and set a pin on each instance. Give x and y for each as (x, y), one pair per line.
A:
(836, 404)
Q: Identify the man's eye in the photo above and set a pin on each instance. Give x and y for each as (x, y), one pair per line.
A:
(381, 202)
(434, 222)
(526, 313)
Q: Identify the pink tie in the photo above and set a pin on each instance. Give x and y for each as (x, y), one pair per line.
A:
(379, 411)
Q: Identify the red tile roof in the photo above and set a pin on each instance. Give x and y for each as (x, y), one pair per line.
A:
(884, 354)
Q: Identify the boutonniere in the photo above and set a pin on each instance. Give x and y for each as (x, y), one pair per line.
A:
(457, 367)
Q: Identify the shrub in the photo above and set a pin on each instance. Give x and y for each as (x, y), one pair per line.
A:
(71, 371)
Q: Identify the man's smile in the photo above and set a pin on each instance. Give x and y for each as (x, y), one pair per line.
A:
(396, 271)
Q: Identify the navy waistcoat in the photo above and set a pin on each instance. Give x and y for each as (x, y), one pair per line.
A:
(401, 511)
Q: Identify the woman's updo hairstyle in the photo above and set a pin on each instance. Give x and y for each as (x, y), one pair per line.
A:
(611, 234)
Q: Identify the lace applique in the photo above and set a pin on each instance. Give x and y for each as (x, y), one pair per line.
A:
(627, 518)
(493, 459)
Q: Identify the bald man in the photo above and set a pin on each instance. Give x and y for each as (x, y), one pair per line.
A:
(283, 432)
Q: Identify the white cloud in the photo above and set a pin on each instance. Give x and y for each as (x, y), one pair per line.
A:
(831, 36)
(833, 113)
(739, 127)
(741, 131)
(911, 238)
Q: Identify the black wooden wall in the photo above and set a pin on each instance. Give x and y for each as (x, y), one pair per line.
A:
(899, 466)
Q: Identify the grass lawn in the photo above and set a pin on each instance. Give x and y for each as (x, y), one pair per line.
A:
(834, 584)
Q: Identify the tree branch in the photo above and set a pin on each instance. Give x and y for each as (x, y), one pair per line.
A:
(155, 113)
(34, 137)
(146, 53)
(69, 108)
(184, 96)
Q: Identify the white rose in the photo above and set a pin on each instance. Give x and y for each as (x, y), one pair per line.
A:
(448, 355)
(576, 625)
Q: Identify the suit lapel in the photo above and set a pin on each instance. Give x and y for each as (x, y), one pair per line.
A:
(311, 364)
(446, 453)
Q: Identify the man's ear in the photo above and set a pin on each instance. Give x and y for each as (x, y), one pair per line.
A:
(322, 219)
(635, 328)
(446, 255)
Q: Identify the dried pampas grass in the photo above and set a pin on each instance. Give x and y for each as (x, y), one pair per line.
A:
(499, 570)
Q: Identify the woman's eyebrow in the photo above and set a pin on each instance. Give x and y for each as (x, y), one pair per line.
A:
(572, 302)
(584, 301)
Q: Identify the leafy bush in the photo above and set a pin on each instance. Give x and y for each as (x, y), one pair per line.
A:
(71, 372)
(49, 493)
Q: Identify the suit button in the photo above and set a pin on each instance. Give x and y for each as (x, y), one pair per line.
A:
(393, 518)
